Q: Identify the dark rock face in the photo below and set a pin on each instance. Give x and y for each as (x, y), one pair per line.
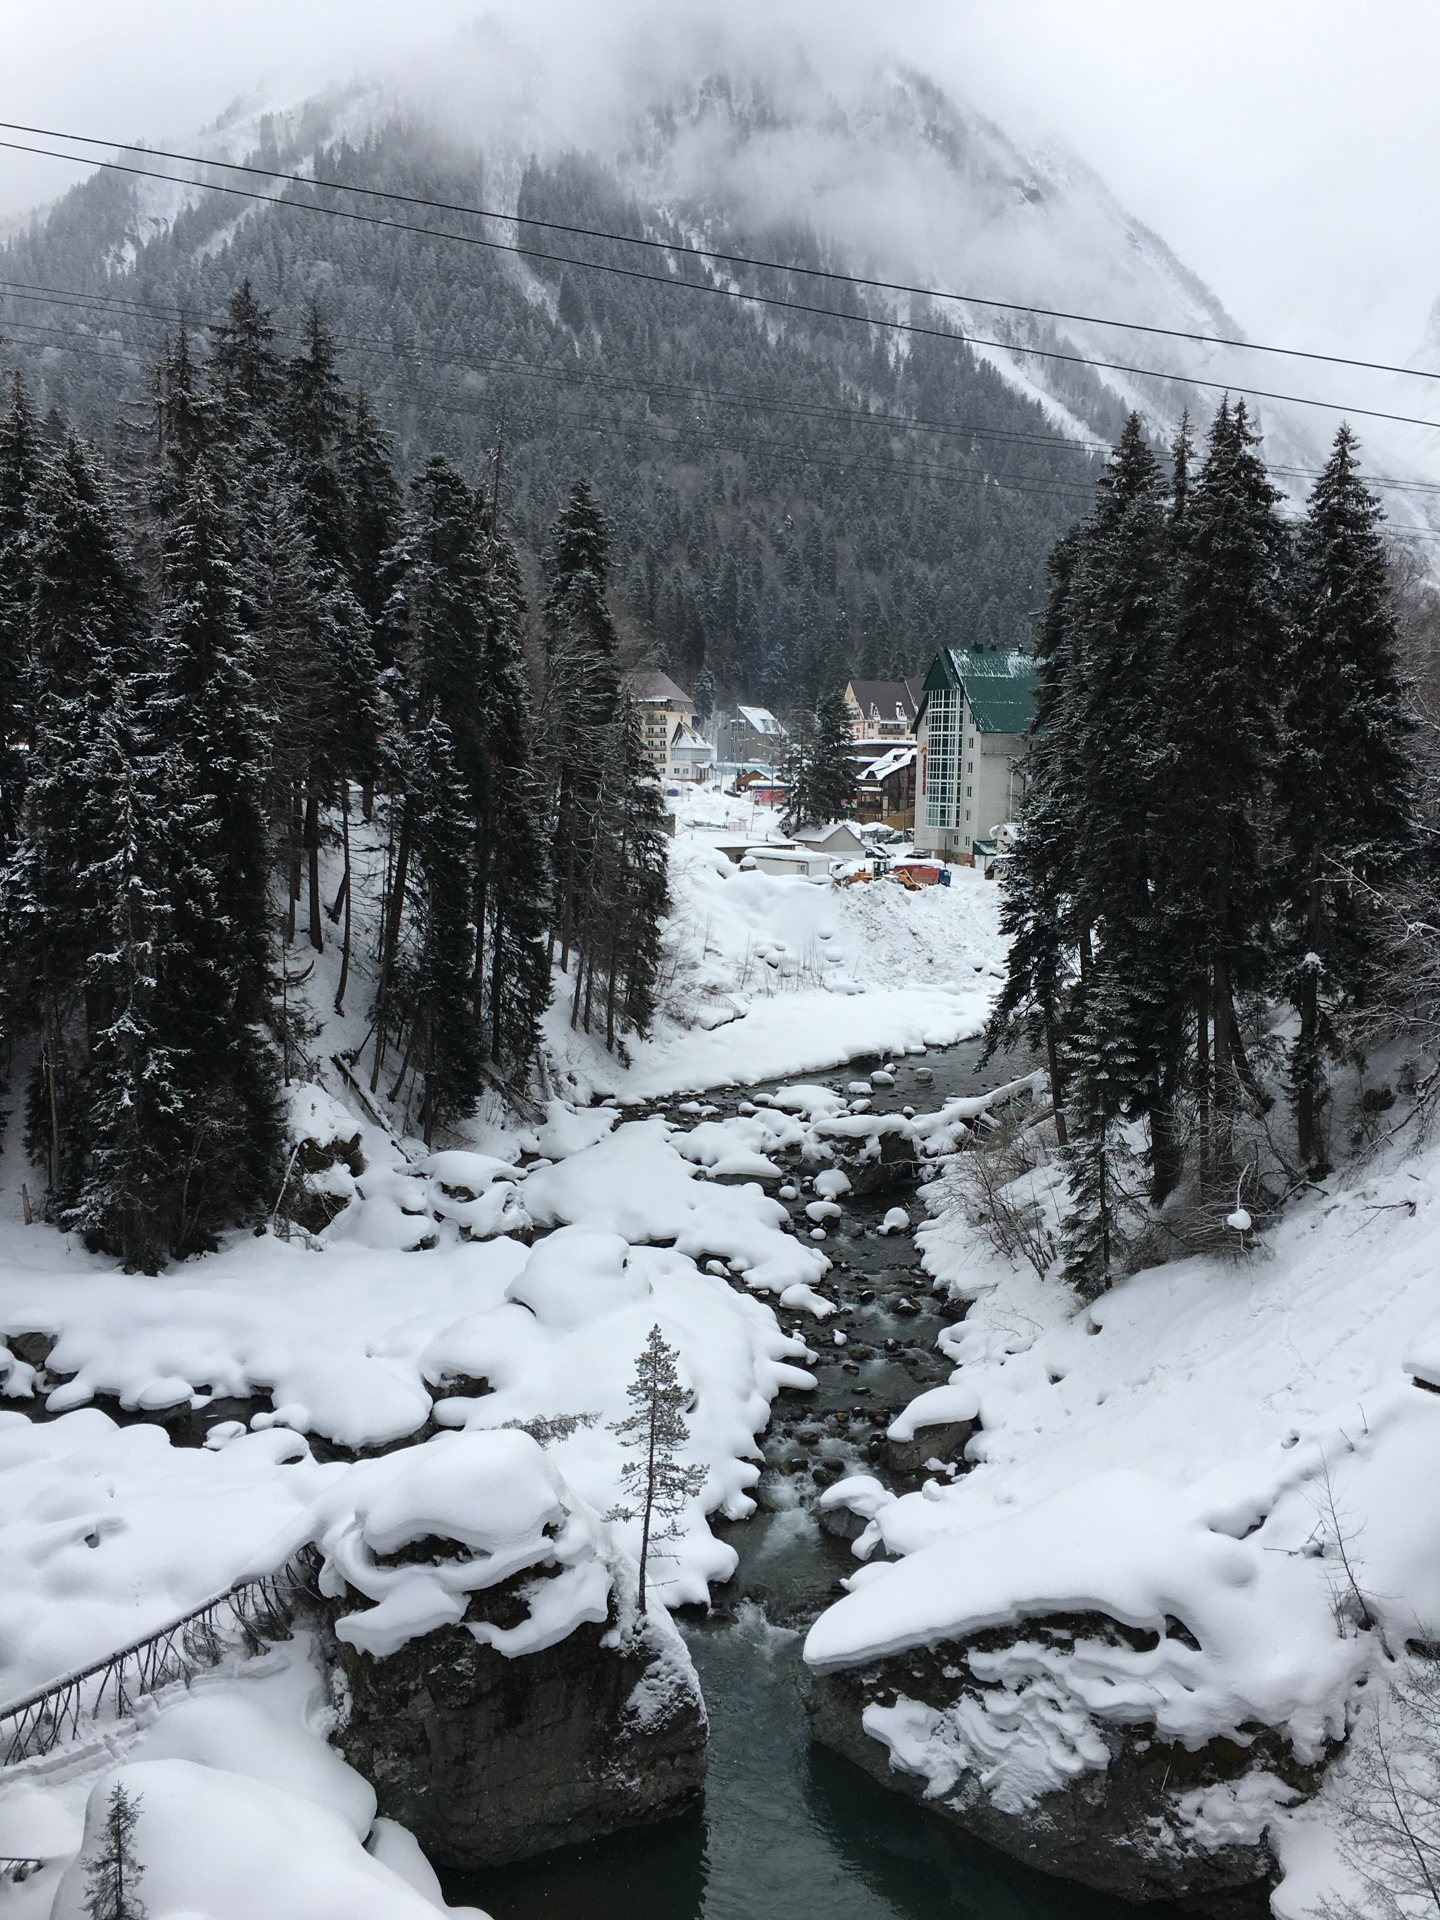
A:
(1112, 1828)
(884, 1158)
(488, 1759)
(946, 1440)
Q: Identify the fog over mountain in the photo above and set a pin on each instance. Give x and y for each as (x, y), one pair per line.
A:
(795, 492)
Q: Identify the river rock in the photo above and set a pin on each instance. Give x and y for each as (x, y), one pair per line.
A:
(943, 1441)
(493, 1681)
(1117, 1827)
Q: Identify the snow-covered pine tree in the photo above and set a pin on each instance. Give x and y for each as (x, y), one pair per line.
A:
(656, 1486)
(206, 706)
(1038, 907)
(314, 418)
(435, 988)
(368, 464)
(1344, 807)
(246, 371)
(110, 1878)
(20, 459)
(516, 885)
(85, 636)
(435, 620)
(581, 699)
(646, 898)
(135, 1164)
(1121, 616)
(617, 934)
(821, 768)
(1219, 696)
(704, 690)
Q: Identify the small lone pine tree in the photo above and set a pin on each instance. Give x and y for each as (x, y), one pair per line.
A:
(110, 1877)
(654, 1481)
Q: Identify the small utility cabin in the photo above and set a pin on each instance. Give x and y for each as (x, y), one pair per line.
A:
(975, 711)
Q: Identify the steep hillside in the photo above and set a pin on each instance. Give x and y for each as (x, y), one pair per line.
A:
(775, 518)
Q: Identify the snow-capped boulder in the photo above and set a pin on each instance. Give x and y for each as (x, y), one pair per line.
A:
(496, 1686)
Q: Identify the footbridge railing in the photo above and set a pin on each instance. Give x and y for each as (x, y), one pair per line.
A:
(246, 1618)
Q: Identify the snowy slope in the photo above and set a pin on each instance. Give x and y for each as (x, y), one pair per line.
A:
(1244, 1448)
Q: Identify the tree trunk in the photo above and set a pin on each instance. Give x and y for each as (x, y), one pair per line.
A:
(394, 915)
(312, 856)
(345, 889)
(293, 864)
(1202, 1072)
(1052, 1055)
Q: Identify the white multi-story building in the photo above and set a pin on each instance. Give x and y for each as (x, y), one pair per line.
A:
(672, 742)
(972, 730)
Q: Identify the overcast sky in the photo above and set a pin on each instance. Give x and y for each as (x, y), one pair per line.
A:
(1289, 150)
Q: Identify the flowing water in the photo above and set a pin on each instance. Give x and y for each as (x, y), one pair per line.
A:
(788, 1830)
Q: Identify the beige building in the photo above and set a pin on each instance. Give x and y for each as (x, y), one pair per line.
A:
(972, 731)
(672, 741)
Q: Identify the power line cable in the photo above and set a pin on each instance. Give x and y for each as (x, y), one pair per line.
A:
(706, 253)
(71, 299)
(713, 288)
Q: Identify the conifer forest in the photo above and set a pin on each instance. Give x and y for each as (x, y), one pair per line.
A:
(248, 637)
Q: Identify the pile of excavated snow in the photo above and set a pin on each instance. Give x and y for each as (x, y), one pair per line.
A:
(771, 975)
(1233, 1458)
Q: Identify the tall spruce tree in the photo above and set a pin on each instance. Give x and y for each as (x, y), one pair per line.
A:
(1121, 612)
(135, 1123)
(20, 461)
(821, 765)
(516, 892)
(111, 1875)
(581, 701)
(1343, 799)
(1220, 692)
(657, 1487)
(445, 1041)
(208, 707)
(85, 638)
(618, 931)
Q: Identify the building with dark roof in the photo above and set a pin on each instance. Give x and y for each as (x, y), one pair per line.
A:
(972, 726)
(668, 733)
(882, 709)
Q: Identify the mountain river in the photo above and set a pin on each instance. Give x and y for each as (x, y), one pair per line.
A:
(788, 1830)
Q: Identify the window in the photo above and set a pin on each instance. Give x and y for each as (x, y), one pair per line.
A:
(969, 793)
(969, 766)
(942, 765)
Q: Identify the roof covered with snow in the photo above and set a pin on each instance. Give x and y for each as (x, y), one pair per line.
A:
(761, 719)
(886, 764)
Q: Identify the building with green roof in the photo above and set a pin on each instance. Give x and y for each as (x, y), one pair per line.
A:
(972, 728)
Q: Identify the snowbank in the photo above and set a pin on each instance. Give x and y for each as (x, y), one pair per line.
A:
(771, 976)
(1227, 1460)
